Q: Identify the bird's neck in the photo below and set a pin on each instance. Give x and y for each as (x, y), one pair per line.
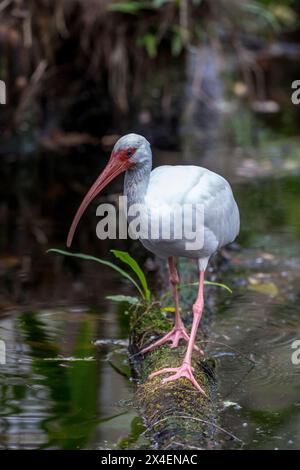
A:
(136, 183)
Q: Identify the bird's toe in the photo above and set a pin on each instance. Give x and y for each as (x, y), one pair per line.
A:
(162, 371)
(184, 371)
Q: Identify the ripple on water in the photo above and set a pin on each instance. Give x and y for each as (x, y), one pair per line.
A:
(265, 334)
(267, 392)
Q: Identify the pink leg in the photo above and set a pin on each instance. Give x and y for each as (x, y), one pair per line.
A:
(178, 332)
(186, 369)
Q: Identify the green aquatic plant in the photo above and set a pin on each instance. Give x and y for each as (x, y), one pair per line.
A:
(123, 256)
(141, 284)
(191, 284)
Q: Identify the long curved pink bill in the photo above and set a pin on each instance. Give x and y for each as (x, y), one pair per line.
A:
(112, 169)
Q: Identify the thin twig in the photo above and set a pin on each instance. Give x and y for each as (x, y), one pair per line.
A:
(219, 428)
(238, 382)
(232, 349)
(181, 444)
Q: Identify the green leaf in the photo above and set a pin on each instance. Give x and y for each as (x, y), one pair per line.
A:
(149, 41)
(100, 261)
(123, 298)
(131, 8)
(210, 283)
(266, 288)
(217, 284)
(262, 12)
(176, 45)
(127, 259)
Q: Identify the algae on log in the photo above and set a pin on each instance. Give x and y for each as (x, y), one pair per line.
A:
(175, 414)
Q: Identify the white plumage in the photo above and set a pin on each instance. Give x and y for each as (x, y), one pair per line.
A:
(183, 185)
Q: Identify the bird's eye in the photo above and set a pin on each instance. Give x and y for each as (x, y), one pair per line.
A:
(129, 153)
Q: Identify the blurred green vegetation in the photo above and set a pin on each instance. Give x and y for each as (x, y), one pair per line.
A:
(115, 44)
(72, 405)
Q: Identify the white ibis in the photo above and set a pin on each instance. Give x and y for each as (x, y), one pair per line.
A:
(163, 187)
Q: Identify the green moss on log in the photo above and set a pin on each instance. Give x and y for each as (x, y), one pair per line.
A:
(176, 415)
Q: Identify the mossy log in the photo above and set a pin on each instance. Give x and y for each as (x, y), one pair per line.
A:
(175, 414)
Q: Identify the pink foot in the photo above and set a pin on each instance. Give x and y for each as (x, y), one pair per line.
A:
(174, 336)
(185, 370)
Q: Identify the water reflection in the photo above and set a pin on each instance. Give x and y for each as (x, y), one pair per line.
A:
(59, 390)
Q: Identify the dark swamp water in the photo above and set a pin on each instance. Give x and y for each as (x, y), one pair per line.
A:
(66, 382)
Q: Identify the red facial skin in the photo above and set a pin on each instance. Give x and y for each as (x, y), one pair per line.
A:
(123, 154)
(118, 163)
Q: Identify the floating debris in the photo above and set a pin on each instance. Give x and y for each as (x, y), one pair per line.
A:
(263, 286)
(231, 404)
(111, 342)
(70, 359)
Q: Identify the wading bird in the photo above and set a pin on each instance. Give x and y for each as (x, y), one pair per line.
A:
(162, 189)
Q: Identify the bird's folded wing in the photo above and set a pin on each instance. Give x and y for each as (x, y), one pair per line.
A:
(184, 185)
